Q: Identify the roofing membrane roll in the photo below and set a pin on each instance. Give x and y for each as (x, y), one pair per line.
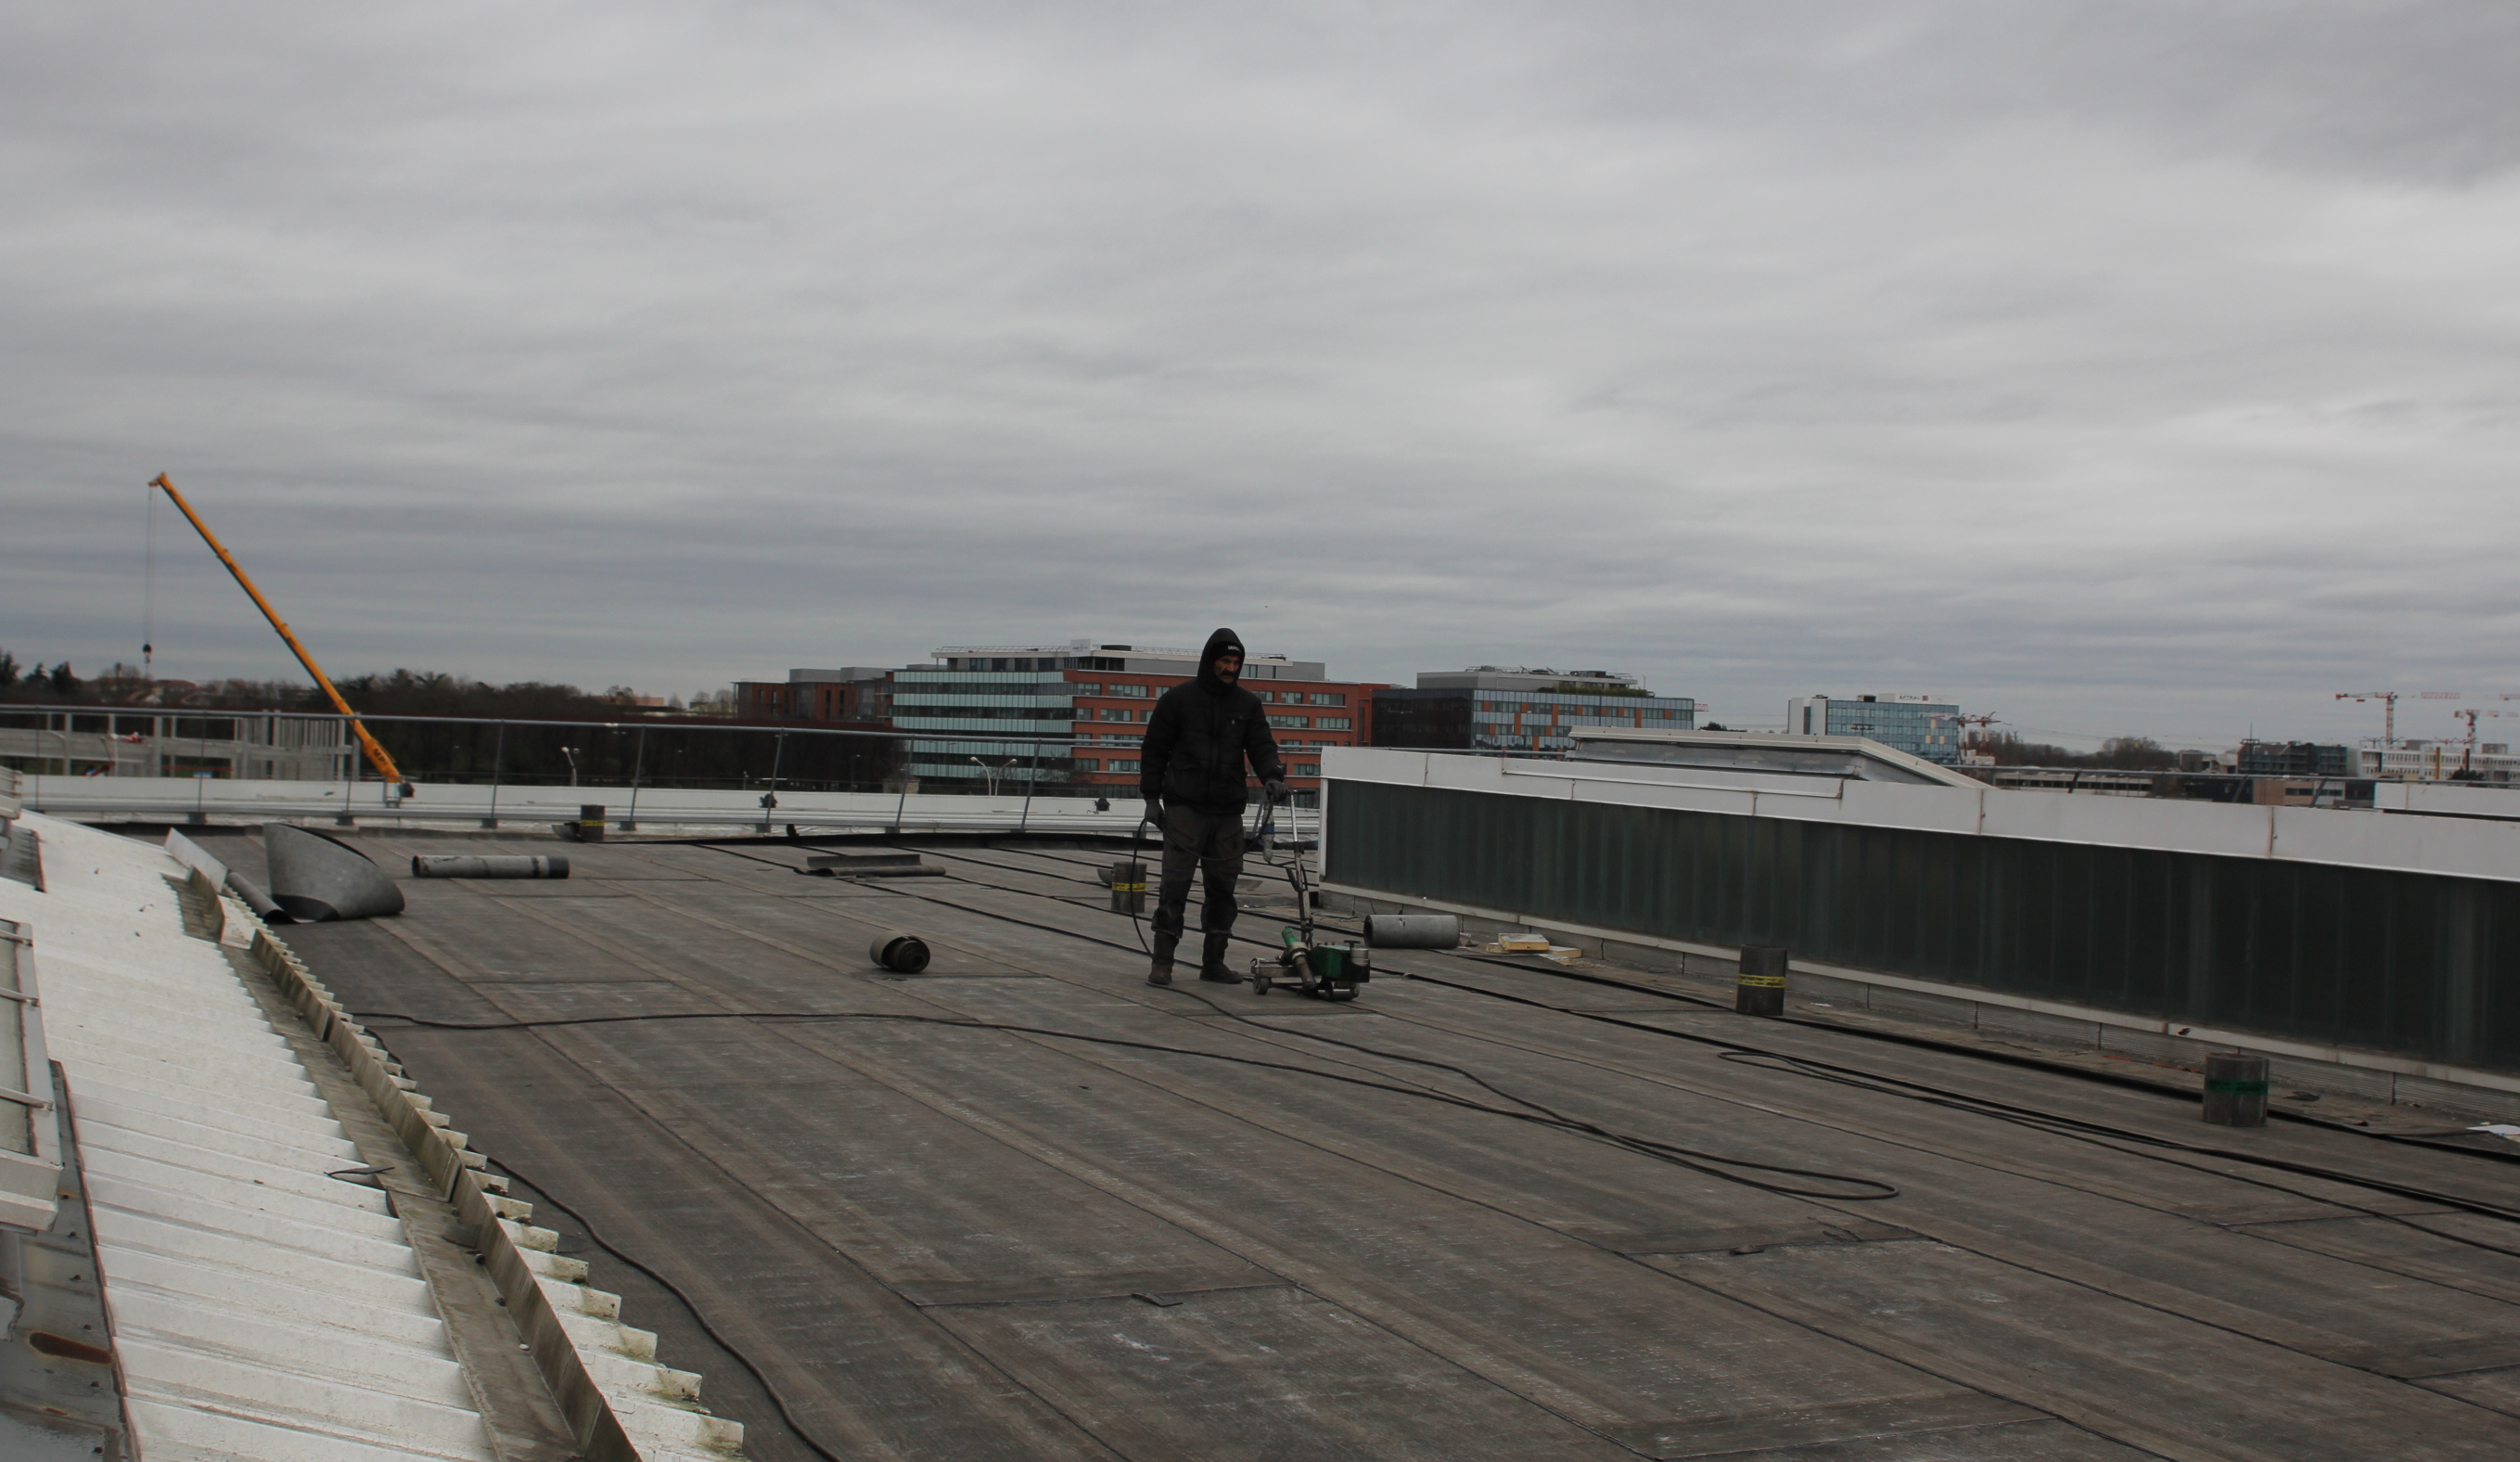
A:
(1413, 930)
(508, 865)
(257, 898)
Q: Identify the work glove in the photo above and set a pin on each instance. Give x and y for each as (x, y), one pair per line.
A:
(1155, 813)
(1277, 789)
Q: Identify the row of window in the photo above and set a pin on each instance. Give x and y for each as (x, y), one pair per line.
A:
(1005, 662)
(1125, 764)
(999, 696)
(1268, 697)
(1290, 744)
(1276, 723)
(971, 680)
(921, 718)
(1614, 712)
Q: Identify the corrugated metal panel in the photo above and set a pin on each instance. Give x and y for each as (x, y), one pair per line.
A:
(2412, 963)
(261, 1310)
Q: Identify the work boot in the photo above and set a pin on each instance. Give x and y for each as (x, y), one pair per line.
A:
(1211, 964)
(1161, 972)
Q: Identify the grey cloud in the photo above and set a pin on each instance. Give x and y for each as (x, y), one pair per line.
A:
(2127, 365)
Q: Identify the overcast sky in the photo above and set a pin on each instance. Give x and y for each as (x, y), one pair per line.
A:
(2136, 368)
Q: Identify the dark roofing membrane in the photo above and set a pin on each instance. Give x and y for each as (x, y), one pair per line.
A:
(935, 1241)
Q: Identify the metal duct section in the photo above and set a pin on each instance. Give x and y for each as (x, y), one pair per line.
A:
(318, 880)
(1413, 930)
(502, 866)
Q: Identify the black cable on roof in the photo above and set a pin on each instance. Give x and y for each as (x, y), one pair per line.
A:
(1894, 1037)
(1987, 1107)
(691, 1306)
(2064, 1127)
(1710, 1165)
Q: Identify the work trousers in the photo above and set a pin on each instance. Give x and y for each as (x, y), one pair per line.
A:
(1213, 842)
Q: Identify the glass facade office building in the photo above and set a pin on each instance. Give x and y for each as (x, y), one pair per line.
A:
(1930, 729)
(970, 706)
(1095, 700)
(1495, 709)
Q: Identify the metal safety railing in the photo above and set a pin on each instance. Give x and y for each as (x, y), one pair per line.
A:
(489, 770)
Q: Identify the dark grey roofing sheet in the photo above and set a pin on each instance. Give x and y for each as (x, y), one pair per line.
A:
(933, 1241)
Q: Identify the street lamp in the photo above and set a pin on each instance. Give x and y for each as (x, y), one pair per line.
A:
(572, 753)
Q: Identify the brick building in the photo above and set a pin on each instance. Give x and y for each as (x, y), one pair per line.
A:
(852, 693)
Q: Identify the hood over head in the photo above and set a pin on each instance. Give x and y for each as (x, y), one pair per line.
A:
(1223, 642)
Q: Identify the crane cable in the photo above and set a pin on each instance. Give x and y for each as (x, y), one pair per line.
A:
(149, 583)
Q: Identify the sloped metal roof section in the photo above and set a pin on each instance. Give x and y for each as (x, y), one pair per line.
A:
(1858, 757)
(259, 1309)
(258, 1306)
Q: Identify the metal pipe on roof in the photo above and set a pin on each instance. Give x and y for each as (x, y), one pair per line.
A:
(429, 865)
(1413, 930)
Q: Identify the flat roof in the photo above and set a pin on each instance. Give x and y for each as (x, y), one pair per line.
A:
(1022, 1204)
(1783, 753)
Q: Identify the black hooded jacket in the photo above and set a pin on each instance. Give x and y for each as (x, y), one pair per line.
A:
(1199, 734)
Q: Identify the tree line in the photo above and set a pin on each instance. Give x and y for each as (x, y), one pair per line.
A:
(401, 692)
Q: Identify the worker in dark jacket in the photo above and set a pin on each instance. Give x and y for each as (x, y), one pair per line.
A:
(1191, 777)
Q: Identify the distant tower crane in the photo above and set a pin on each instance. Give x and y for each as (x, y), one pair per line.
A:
(384, 765)
(2467, 755)
(2388, 712)
(1979, 721)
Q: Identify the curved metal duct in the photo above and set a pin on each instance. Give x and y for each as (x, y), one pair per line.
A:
(317, 880)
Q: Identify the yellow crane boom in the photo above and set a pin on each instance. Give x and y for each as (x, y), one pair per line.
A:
(377, 756)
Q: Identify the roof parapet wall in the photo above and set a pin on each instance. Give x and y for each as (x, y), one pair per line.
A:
(2469, 847)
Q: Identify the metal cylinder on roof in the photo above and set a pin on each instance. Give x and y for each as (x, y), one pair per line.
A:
(1760, 989)
(504, 865)
(2235, 1089)
(1128, 884)
(1413, 930)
